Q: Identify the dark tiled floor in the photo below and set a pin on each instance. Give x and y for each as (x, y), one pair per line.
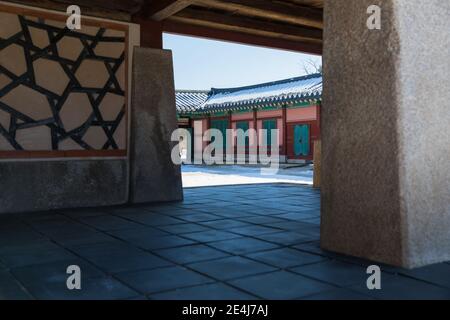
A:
(236, 242)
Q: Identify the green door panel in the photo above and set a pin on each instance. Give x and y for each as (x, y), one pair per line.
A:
(269, 125)
(243, 125)
(305, 139)
(222, 126)
(301, 140)
(297, 141)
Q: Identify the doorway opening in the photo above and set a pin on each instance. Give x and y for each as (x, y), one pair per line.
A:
(261, 101)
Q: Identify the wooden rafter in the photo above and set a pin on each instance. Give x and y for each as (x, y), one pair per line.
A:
(115, 10)
(162, 9)
(228, 22)
(239, 37)
(270, 10)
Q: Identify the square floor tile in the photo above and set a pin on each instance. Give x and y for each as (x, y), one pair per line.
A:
(335, 272)
(280, 285)
(402, 288)
(82, 238)
(224, 224)
(184, 228)
(55, 272)
(153, 219)
(286, 238)
(338, 294)
(262, 220)
(138, 232)
(199, 217)
(253, 230)
(105, 288)
(285, 257)
(213, 291)
(108, 222)
(211, 235)
(163, 279)
(11, 289)
(192, 253)
(230, 268)
(241, 246)
(117, 257)
(164, 242)
(438, 274)
(35, 257)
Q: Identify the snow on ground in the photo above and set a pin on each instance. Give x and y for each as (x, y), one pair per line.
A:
(203, 175)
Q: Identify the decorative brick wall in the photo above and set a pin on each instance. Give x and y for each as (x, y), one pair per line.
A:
(62, 93)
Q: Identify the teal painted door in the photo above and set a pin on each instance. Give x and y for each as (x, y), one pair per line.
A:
(301, 140)
(269, 125)
(243, 125)
(221, 125)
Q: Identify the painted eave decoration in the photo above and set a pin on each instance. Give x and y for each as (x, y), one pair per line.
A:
(266, 95)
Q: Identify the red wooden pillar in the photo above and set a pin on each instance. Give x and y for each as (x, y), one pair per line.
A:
(284, 138)
(208, 122)
(319, 107)
(151, 33)
(255, 126)
(229, 138)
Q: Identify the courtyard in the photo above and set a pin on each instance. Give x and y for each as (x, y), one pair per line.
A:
(221, 175)
(92, 95)
(229, 242)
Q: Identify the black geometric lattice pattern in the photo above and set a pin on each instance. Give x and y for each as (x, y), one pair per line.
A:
(19, 120)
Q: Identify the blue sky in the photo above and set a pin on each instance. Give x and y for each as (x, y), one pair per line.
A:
(201, 64)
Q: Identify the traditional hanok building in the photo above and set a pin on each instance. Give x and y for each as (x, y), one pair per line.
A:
(292, 106)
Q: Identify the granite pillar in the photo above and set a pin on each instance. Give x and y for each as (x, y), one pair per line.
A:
(153, 175)
(385, 131)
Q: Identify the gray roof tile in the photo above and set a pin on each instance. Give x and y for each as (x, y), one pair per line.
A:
(288, 91)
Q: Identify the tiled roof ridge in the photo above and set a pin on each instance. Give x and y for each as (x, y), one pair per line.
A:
(266, 84)
(192, 91)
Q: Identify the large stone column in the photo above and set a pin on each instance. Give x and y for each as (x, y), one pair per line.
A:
(386, 131)
(154, 177)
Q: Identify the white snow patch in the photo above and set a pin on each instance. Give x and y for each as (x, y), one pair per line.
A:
(202, 176)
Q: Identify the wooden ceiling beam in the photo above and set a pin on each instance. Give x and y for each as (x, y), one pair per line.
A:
(229, 22)
(159, 10)
(242, 38)
(95, 8)
(269, 10)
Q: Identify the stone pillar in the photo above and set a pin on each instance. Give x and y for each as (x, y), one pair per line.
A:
(153, 176)
(386, 136)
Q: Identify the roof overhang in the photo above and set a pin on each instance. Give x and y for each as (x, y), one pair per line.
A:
(285, 24)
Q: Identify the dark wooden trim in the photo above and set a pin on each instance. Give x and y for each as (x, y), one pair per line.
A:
(248, 25)
(319, 122)
(151, 33)
(270, 10)
(162, 9)
(62, 154)
(243, 38)
(60, 16)
(270, 117)
(212, 117)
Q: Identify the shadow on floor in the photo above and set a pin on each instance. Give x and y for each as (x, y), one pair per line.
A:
(237, 242)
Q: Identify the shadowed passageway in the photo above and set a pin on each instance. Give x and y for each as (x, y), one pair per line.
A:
(236, 242)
